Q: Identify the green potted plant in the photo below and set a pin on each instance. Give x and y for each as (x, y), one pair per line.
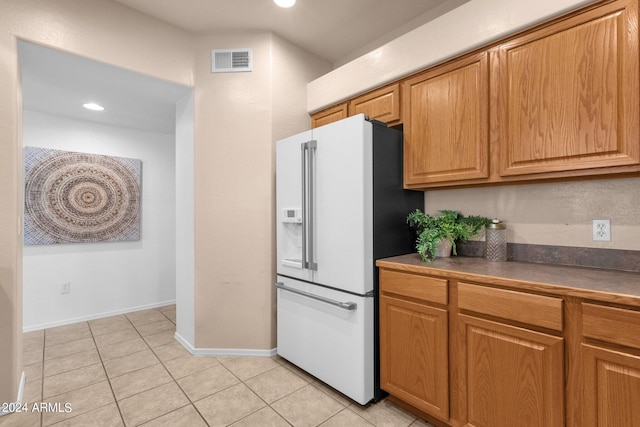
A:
(449, 226)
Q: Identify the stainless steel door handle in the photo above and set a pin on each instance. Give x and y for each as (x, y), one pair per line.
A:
(303, 149)
(344, 305)
(307, 150)
(312, 145)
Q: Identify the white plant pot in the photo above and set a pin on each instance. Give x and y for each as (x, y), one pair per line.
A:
(443, 249)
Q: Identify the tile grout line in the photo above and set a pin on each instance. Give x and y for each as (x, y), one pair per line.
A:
(280, 363)
(115, 400)
(160, 362)
(108, 378)
(174, 380)
(240, 381)
(191, 403)
(267, 405)
(69, 391)
(310, 384)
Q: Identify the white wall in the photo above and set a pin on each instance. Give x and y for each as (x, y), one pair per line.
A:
(185, 246)
(236, 125)
(112, 277)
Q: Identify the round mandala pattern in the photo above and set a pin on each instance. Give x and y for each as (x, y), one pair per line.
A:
(79, 197)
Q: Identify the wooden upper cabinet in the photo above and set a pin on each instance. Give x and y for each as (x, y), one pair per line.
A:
(382, 104)
(446, 116)
(329, 115)
(561, 100)
(568, 94)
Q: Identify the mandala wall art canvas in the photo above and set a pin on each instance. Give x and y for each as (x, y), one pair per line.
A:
(75, 197)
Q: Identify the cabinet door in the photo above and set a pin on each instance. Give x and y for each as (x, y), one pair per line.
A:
(568, 95)
(382, 104)
(329, 115)
(446, 122)
(413, 354)
(611, 389)
(513, 377)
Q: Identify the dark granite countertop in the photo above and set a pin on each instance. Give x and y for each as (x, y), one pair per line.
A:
(590, 283)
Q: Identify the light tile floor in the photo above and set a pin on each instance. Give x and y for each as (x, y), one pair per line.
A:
(128, 370)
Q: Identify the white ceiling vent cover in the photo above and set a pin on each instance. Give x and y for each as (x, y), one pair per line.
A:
(230, 60)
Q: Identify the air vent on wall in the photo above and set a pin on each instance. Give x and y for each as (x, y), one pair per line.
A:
(230, 60)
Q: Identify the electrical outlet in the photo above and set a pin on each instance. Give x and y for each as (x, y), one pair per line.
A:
(65, 288)
(602, 230)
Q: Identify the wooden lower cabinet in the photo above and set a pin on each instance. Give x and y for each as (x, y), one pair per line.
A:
(513, 377)
(461, 354)
(610, 366)
(469, 352)
(611, 387)
(414, 354)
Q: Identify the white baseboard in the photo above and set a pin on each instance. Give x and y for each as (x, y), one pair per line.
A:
(23, 380)
(223, 351)
(95, 316)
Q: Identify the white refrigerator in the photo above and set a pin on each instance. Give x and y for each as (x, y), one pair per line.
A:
(340, 206)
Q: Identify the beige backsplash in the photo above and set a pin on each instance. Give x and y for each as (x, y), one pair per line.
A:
(557, 214)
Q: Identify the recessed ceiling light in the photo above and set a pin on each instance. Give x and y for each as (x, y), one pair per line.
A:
(93, 106)
(285, 3)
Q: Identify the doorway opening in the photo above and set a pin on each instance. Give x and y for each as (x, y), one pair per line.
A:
(144, 118)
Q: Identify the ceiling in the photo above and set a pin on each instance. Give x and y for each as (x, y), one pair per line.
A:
(59, 83)
(336, 30)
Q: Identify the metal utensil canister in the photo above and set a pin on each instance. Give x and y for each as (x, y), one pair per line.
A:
(496, 241)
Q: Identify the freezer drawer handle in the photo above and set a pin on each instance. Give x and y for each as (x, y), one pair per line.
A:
(344, 305)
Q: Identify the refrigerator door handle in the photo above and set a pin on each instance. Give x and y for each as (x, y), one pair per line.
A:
(303, 162)
(307, 150)
(344, 305)
(312, 145)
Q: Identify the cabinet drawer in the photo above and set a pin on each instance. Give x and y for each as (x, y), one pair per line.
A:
(536, 310)
(614, 325)
(414, 286)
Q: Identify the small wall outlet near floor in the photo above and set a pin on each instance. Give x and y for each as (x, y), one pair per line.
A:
(601, 230)
(65, 288)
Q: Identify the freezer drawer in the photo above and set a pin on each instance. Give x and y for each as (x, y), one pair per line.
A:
(333, 342)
